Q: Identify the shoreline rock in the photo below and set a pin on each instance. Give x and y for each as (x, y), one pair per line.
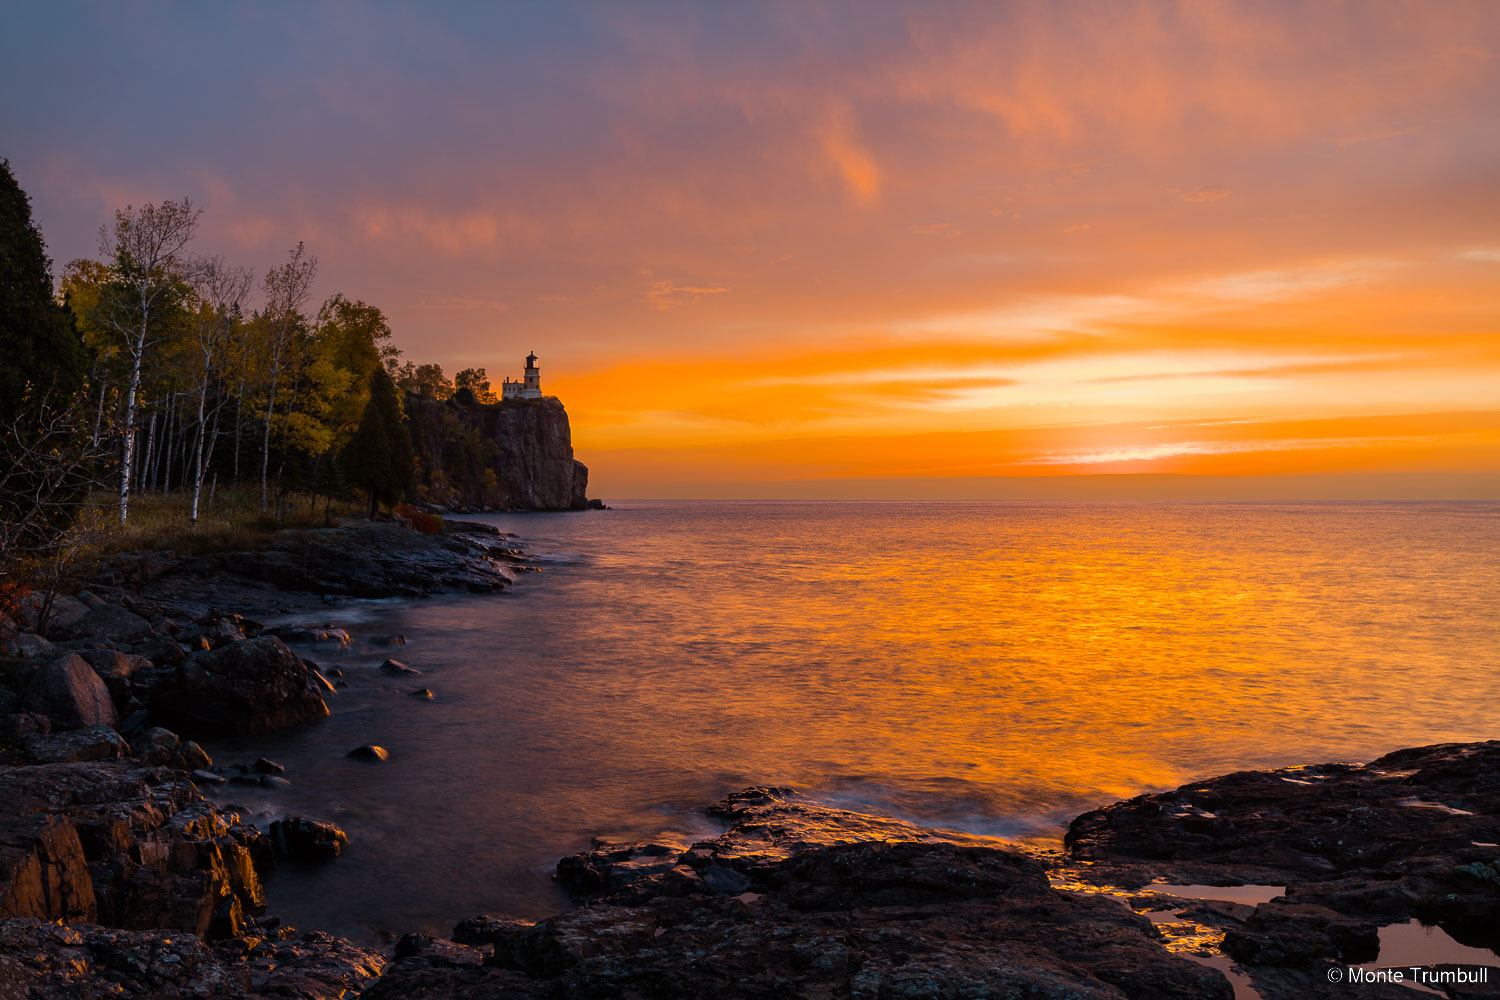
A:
(797, 899)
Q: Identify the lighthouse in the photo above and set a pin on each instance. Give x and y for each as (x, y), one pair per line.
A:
(530, 386)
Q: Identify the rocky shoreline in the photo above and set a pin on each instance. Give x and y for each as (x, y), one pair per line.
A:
(118, 877)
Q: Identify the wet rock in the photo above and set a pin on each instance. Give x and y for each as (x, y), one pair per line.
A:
(425, 951)
(1300, 936)
(158, 746)
(323, 682)
(367, 559)
(423, 693)
(327, 635)
(306, 840)
(113, 622)
(69, 693)
(93, 743)
(369, 752)
(399, 669)
(1357, 846)
(391, 640)
(264, 765)
(194, 757)
(87, 961)
(274, 781)
(250, 686)
(481, 930)
(208, 778)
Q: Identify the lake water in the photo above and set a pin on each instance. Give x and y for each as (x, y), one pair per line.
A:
(995, 667)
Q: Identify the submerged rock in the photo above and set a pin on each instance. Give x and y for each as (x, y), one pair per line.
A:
(399, 669)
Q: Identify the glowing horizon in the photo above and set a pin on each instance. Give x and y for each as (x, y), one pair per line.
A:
(778, 244)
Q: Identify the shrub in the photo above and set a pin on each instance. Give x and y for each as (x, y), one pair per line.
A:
(427, 524)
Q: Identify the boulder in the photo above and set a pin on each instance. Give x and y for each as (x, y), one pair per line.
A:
(326, 635)
(111, 663)
(299, 839)
(69, 693)
(110, 621)
(399, 669)
(369, 752)
(250, 686)
(32, 647)
(93, 743)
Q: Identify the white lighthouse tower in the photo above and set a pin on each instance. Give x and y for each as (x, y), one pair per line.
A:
(529, 387)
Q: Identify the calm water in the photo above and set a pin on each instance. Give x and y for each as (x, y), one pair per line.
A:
(995, 667)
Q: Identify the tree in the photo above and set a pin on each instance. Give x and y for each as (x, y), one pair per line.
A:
(427, 381)
(378, 458)
(286, 290)
(219, 292)
(146, 252)
(477, 381)
(38, 343)
(46, 459)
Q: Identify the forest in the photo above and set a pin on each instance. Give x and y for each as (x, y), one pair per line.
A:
(163, 382)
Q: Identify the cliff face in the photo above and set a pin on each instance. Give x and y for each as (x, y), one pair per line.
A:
(535, 465)
(516, 454)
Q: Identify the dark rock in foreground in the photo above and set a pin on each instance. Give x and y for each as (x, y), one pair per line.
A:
(307, 840)
(249, 686)
(86, 961)
(794, 900)
(363, 559)
(1415, 834)
(118, 843)
(70, 693)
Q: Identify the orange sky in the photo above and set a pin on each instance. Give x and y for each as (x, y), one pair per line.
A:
(759, 248)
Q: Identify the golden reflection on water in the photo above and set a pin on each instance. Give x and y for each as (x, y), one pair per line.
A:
(1010, 658)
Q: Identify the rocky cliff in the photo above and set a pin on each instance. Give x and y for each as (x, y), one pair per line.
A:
(516, 454)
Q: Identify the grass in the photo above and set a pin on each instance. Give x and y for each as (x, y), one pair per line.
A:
(233, 524)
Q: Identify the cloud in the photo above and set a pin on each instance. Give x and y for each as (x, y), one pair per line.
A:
(665, 294)
(1078, 229)
(1486, 255)
(1209, 192)
(1375, 136)
(839, 137)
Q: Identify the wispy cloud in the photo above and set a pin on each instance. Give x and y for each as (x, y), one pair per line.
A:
(1209, 192)
(665, 294)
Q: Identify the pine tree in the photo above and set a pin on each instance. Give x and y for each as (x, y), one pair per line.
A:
(46, 458)
(41, 351)
(379, 458)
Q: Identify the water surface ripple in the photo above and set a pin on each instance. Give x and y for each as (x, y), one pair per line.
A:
(996, 667)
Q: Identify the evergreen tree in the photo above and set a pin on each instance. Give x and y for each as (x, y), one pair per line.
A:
(378, 458)
(46, 459)
(41, 351)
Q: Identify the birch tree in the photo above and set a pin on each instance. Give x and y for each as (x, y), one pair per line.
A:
(220, 292)
(286, 290)
(146, 249)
